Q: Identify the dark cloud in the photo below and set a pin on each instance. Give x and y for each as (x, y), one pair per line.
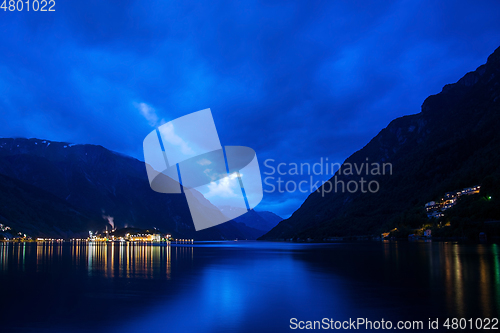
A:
(296, 81)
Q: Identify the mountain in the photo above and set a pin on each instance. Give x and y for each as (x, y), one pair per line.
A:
(271, 219)
(90, 187)
(263, 221)
(37, 212)
(453, 143)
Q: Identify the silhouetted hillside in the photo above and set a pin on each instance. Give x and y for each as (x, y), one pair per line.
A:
(100, 185)
(454, 142)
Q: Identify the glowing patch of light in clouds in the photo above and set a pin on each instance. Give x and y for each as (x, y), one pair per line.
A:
(223, 187)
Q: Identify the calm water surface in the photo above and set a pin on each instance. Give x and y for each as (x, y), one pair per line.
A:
(241, 286)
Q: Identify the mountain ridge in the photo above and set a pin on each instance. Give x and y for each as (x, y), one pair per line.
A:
(99, 183)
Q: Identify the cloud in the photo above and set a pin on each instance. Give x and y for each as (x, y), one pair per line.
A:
(224, 187)
(211, 176)
(204, 161)
(168, 134)
(166, 129)
(148, 112)
(294, 81)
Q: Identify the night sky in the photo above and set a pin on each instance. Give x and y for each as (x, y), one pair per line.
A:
(295, 81)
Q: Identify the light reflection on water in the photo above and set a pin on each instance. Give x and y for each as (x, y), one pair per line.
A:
(127, 260)
(462, 271)
(244, 286)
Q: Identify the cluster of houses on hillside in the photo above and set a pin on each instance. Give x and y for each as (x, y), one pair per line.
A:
(436, 208)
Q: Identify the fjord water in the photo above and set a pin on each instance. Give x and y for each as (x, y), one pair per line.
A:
(241, 286)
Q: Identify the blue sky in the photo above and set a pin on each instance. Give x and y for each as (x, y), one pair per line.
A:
(294, 80)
